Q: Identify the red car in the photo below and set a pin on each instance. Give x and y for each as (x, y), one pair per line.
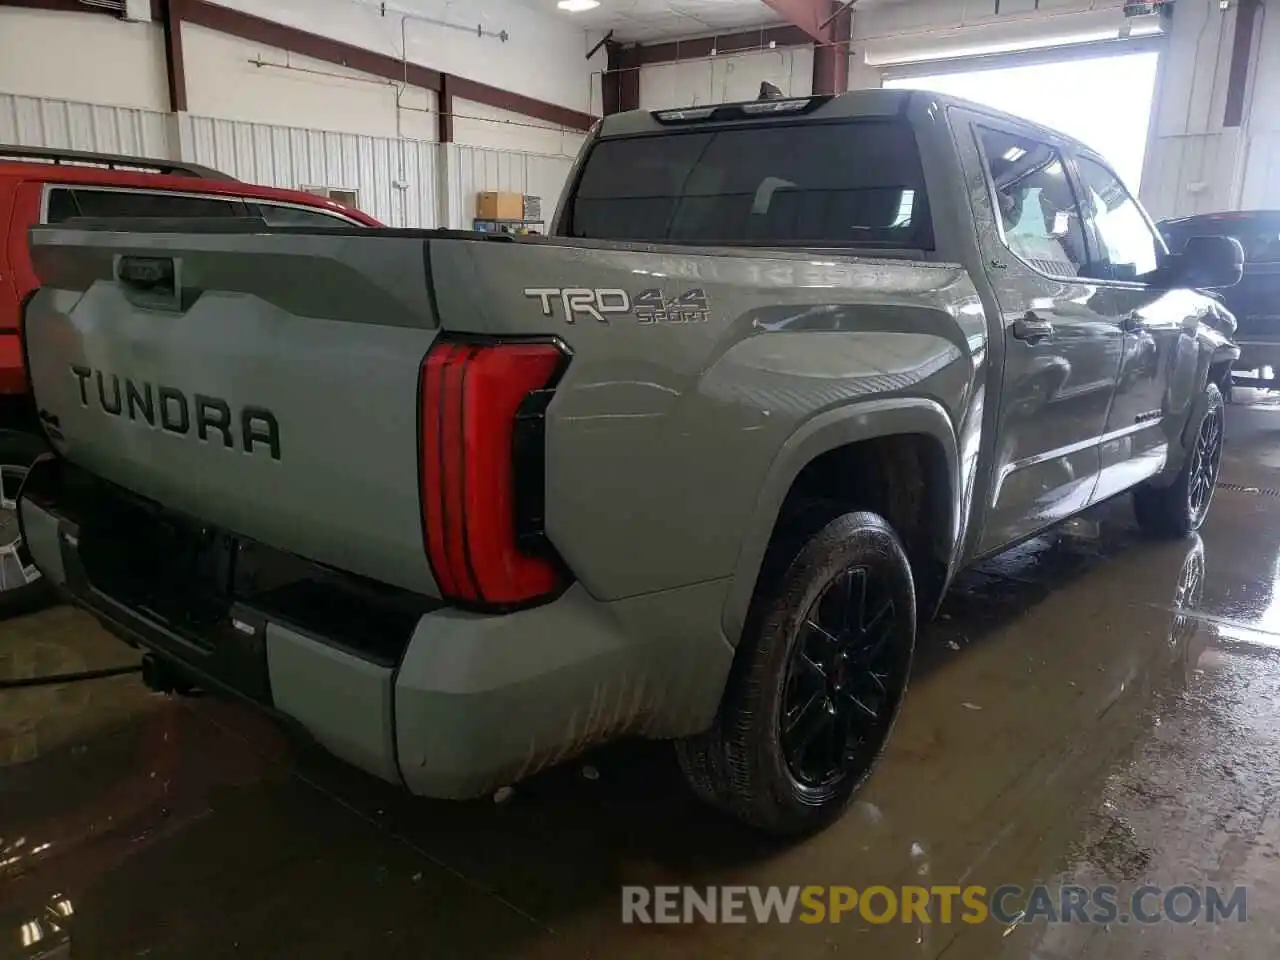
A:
(50, 186)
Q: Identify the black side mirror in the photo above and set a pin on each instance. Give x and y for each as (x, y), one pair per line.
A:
(1209, 262)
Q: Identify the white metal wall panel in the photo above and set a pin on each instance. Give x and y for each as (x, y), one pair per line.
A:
(44, 122)
(1261, 188)
(475, 170)
(727, 78)
(1191, 173)
(394, 180)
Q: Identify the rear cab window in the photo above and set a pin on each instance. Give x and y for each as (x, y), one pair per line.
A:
(852, 183)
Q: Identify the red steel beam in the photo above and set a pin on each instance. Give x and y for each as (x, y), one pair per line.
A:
(255, 29)
(175, 66)
(444, 109)
(808, 15)
(1241, 53)
(831, 59)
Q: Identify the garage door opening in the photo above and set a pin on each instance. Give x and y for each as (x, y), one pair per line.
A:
(1104, 101)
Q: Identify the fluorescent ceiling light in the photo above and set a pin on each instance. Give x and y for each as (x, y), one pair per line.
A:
(577, 6)
(1014, 154)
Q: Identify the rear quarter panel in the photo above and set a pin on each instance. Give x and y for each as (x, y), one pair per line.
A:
(666, 440)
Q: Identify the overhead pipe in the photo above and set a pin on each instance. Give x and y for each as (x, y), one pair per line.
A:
(479, 30)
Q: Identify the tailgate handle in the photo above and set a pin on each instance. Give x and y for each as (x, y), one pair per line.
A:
(151, 281)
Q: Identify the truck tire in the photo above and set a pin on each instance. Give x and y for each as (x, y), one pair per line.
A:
(1179, 508)
(22, 589)
(817, 681)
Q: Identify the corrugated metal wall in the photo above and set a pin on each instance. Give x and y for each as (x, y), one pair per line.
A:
(43, 122)
(1261, 181)
(1191, 173)
(475, 170)
(397, 181)
(394, 180)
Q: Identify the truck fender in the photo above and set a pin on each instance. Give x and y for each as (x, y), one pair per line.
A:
(1210, 353)
(824, 432)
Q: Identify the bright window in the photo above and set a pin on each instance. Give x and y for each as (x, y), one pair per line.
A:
(1103, 101)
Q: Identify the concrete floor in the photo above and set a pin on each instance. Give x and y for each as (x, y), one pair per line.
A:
(1064, 725)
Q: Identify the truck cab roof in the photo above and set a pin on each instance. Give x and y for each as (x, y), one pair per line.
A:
(871, 103)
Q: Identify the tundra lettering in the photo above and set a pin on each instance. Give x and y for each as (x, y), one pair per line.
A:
(213, 417)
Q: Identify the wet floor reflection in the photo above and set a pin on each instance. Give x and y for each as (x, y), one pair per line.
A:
(1090, 707)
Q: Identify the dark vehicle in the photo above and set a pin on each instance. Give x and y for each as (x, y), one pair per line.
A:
(1255, 300)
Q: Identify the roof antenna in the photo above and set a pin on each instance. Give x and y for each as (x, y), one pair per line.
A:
(769, 91)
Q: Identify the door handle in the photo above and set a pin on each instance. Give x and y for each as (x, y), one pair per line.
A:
(1032, 328)
(1132, 322)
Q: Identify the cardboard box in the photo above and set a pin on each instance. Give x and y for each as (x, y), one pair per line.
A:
(499, 205)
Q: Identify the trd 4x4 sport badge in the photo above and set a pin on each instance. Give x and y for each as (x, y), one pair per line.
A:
(648, 306)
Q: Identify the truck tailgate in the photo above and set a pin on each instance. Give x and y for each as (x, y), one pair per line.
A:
(263, 382)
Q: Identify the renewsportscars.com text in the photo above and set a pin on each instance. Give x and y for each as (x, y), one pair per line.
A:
(1103, 904)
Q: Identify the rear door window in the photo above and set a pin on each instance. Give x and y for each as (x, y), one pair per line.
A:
(1040, 220)
(854, 183)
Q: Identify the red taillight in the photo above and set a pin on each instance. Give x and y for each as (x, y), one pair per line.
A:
(477, 488)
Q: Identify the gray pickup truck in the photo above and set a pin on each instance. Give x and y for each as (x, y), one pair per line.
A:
(692, 467)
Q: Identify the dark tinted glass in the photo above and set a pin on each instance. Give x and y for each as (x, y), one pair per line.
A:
(125, 203)
(1259, 234)
(856, 183)
(297, 217)
(62, 206)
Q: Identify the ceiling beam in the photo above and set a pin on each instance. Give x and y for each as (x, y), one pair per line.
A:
(174, 62)
(831, 59)
(1241, 54)
(809, 15)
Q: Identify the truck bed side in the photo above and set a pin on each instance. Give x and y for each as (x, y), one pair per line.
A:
(688, 376)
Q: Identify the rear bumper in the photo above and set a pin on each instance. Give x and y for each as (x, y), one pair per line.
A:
(475, 701)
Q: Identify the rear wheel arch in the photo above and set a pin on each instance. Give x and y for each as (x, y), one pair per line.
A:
(895, 457)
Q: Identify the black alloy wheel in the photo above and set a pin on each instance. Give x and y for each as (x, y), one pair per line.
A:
(1206, 458)
(1178, 507)
(843, 681)
(818, 676)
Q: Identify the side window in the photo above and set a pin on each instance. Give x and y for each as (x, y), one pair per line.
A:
(1128, 249)
(61, 206)
(130, 203)
(297, 217)
(1036, 208)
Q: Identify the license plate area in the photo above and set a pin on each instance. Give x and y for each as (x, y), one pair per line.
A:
(171, 569)
(203, 594)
